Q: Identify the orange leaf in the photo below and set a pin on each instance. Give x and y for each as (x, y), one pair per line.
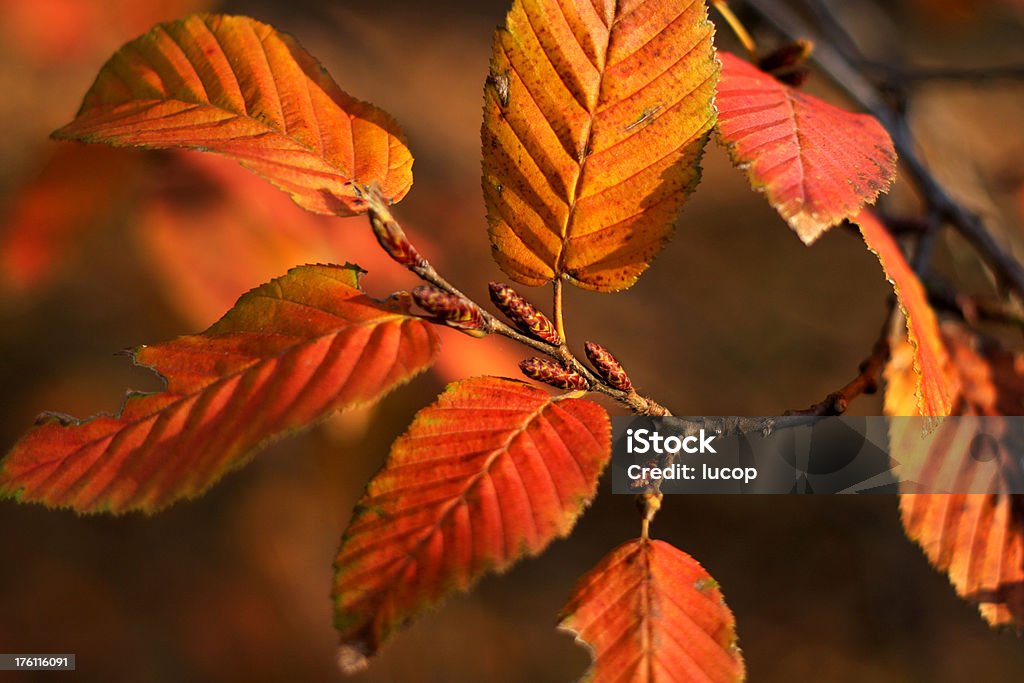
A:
(649, 612)
(977, 539)
(287, 354)
(234, 86)
(494, 470)
(936, 387)
(817, 164)
(595, 117)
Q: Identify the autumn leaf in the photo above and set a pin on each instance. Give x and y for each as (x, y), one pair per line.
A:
(649, 612)
(936, 386)
(234, 86)
(977, 539)
(817, 164)
(288, 353)
(595, 117)
(492, 471)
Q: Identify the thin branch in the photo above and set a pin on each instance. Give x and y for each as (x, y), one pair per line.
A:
(835, 32)
(972, 308)
(917, 75)
(393, 240)
(867, 380)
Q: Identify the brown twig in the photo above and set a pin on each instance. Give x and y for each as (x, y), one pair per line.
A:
(1007, 270)
(893, 74)
(972, 308)
(867, 380)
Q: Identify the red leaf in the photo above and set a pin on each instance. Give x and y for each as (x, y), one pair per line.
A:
(494, 470)
(287, 354)
(935, 386)
(649, 612)
(817, 164)
(978, 539)
(235, 86)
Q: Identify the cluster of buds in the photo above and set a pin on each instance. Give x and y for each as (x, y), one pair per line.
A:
(606, 365)
(553, 373)
(455, 311)
(392, 238)
(522, 313)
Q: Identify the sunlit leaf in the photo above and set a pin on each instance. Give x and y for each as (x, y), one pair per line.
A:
(287, 354)
(977, 539)
(936, 386)
(235, 86)
(649, 612)
(816, 164)
(595, 117)
(493, 471)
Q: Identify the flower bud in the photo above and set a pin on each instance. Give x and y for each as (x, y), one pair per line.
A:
(606, 365)
(555, 374)
(453, 310)
(392, 238)
(387, 230)
(522, 313)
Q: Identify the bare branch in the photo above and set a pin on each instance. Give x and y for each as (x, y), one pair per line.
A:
(867, 380)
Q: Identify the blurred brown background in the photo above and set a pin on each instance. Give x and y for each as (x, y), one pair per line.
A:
(734, 317)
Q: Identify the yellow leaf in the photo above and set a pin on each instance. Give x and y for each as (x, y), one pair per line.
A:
(595, 117)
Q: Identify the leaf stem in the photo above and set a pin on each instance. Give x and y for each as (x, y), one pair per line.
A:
(650, 504)
(737, 27)
(557, 308)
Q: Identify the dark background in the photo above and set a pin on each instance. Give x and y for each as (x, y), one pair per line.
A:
(734, 317)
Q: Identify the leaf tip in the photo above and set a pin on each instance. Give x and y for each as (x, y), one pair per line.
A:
(352, 658)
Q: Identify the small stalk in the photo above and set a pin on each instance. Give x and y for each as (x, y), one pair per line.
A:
(737, 27)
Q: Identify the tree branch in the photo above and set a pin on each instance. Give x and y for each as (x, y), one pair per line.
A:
(917, 75)
(393, 240)
(1004, 266)
(867, 380)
